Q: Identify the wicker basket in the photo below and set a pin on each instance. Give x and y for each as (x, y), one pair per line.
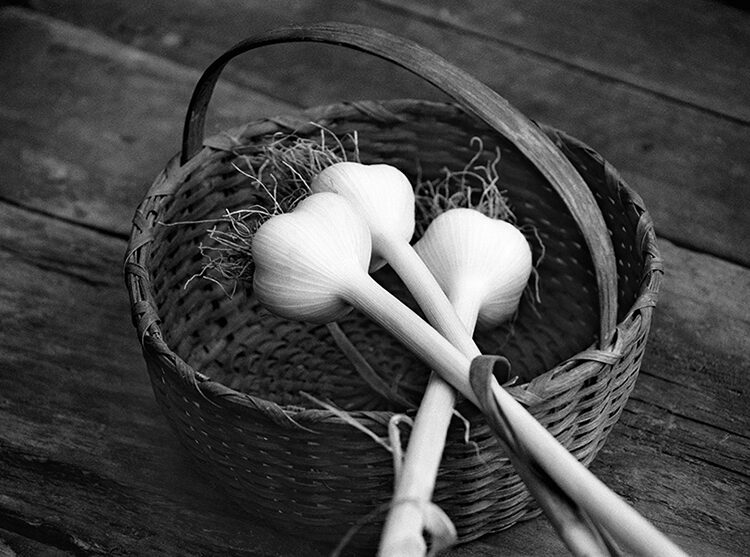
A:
(228, 374)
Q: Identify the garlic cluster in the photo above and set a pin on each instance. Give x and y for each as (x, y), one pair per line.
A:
(312, 265)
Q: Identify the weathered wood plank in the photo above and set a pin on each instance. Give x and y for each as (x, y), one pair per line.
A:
(15, 545)
(85, 452)
(115, 121)
(692, 51)
(88, 462)
(689, 164)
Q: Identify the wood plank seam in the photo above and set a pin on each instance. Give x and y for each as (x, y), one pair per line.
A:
(597, 71)
(49, 214)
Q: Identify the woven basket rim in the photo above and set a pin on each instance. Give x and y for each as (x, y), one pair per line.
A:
(170, 179)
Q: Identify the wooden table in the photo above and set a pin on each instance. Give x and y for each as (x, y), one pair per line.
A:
(92, 97)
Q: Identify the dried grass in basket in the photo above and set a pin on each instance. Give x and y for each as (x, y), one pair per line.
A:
(305, 469)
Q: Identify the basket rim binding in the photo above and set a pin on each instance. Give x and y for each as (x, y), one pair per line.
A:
(145, 314)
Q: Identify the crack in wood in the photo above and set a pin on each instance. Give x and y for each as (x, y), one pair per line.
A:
(685, 417)
(47, 533)
(55, 269)
(49, 214)
(697, 458)
(55, 470)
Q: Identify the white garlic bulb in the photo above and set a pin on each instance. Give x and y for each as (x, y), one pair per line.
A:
(485, 259)
(381, 193)
(303, 258)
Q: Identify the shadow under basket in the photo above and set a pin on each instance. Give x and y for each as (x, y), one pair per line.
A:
(233, 379)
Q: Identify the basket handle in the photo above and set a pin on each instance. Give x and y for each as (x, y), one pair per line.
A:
(473, 96)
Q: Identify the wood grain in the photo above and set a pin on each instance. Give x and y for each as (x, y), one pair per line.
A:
(687, 162)
(117, 118)
(88, 465)
(673, 49)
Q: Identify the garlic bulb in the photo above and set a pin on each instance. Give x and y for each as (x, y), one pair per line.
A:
(382, 195)
(302, 258)
(472, 255)
(482, 267)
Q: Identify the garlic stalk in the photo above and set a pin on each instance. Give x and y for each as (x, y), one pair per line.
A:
(483, 265)
(312, 263)
(480, 263)
(384, 198)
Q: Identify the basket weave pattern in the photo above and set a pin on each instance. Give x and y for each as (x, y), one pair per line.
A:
(228, 375)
